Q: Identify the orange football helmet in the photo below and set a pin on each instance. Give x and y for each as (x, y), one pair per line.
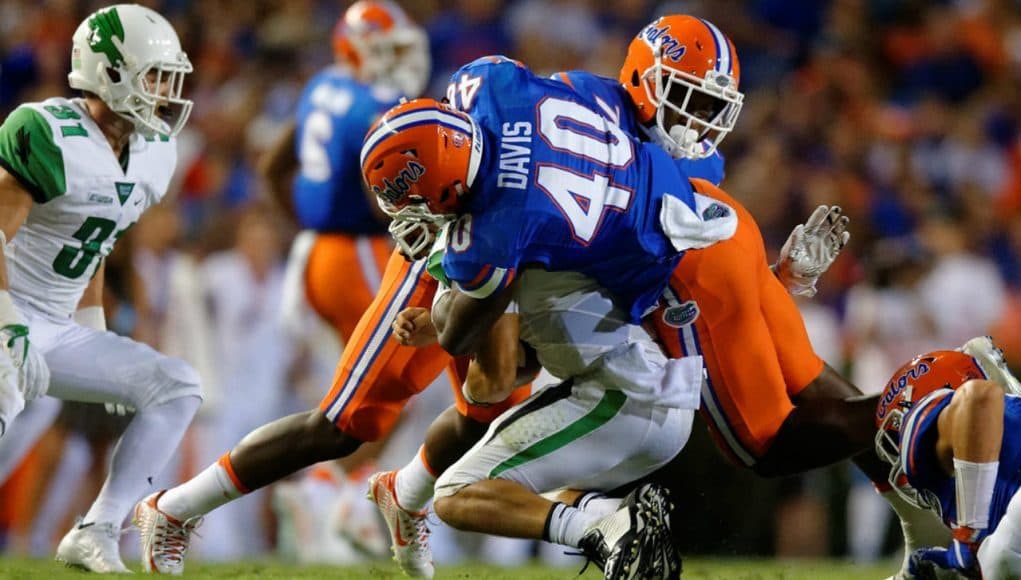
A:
(925, 374)
(682, 73)
(383, 46)
(420, 159)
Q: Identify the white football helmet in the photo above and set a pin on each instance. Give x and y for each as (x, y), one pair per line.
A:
(130, 57)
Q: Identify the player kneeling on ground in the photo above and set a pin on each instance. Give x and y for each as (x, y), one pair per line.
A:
(952, 437)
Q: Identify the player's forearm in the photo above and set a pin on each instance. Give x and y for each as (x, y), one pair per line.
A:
(278, 166)
(462, 321)
(975, 423)
(491, 375)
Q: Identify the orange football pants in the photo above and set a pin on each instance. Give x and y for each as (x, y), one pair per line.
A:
(724, 303)
(342, 276)
(377, 376)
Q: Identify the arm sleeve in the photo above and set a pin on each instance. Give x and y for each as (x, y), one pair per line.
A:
(28, 152)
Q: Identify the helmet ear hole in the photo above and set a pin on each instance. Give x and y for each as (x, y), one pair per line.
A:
(114, 74)
(635, 79)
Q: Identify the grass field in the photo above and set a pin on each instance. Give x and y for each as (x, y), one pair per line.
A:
(23, 569)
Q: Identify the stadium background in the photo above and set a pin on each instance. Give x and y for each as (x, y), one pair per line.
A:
(903, 112)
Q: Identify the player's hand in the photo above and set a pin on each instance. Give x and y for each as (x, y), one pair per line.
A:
(119, 409)
(414, 327)
(811, 249)
(33, 374)
(11, 399)
(960, 559)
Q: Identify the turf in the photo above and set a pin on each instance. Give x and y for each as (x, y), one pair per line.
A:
(18, 569)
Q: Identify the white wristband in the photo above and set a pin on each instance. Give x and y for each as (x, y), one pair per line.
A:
(91, 317)
(8, 313)
(974, 486)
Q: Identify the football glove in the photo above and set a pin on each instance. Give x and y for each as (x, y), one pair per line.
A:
(11, 399)
(960, 558)
(119, 409)
(33, 375)
(811, 249)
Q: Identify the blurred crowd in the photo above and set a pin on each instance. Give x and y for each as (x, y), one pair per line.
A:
(904, 112)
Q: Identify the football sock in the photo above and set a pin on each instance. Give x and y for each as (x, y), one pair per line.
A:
(212, 488)
(566, 525)
(140, 455)
(597, 503)
(414, 483)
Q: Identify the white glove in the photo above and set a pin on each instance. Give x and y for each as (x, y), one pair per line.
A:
(35, 375)
(811, 249)
(11, 399)
(33, 379)
(119, 409)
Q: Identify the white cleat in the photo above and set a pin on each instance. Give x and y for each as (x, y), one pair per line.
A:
(164, 538)
(93, 547)
(408, 531)
(990, 359)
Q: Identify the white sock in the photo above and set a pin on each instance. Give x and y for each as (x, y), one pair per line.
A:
(414, 484)
(598, 504)
(215, 486)
(142, 452)
(566, 525)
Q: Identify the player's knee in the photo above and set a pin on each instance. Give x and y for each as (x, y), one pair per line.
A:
(171, 379)
(451, 509)
(328, 440)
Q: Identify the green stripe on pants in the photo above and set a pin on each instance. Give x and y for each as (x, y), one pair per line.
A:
(605, 410)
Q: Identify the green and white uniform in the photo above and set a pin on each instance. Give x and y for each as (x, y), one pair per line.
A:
(85, 200)
(624, 410)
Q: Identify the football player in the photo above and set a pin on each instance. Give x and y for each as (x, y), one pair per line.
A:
(76, 174)
(541, 181)
(380, 56)
(947, 429)
(678, 87)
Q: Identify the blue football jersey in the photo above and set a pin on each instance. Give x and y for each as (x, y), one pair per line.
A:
(918, 452)
(561, 185)
(333, 115)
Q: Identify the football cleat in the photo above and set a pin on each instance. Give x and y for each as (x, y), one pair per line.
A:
(990, 359)
(635, 541)
(93, 547)
(409, 533)
(164, 538)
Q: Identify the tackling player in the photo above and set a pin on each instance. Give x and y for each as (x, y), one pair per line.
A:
(76, 174)
(950, 435)
(678, 86)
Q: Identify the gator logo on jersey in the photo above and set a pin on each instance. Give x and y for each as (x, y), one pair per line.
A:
(100, 198)
(671, 48)
(897, 386)
(106, 25)
(715, 211)
(681, 315)
(393, 191)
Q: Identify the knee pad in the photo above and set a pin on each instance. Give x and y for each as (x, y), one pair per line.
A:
(172, 379)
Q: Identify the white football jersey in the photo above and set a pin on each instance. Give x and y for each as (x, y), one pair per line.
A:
(85, 198)
(577, 331)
